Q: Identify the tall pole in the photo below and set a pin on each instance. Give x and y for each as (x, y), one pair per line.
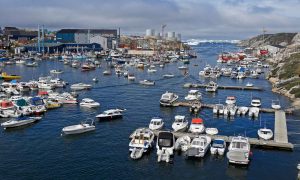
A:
(43, 35)
(39, 45)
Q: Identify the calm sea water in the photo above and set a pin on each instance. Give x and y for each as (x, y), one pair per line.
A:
(39, 152)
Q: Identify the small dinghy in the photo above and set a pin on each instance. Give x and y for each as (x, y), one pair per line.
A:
(54, 71)
(265, 133)
(169, 75)
(19, 122)
(211, 131)
(79, 128)
(182, 143)
(276, 104)
(136, 153)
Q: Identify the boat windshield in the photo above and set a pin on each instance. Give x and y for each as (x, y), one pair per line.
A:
(165, 142)
(239, 145)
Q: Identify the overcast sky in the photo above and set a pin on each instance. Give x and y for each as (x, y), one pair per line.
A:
(210, 19)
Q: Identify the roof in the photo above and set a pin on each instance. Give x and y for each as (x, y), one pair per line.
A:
(92, 31)
(197, 121)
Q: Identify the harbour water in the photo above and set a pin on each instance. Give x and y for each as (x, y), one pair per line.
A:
(40, 152)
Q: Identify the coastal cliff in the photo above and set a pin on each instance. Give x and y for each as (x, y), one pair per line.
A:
(285, 63)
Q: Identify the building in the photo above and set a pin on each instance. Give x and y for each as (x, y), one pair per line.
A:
(63, 47)
(14, 33)
(104, 37)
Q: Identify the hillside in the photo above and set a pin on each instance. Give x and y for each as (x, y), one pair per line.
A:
(282, 39)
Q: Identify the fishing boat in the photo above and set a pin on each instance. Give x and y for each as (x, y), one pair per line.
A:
(165, 146)
(142, 141)
(211, 87)
(156, 123)
(276, 104)
(183, 143)
(111, 114)
(131, 77)
(7, 77)
(180, 123)
(239, 150)
(19, 122)
(168, 98)
(193, 95)
(79, 128)
(89, 103)
(147, 82)
(197, 126)
(211, 131)
(199, 146)
(218, 147)
(81, 86)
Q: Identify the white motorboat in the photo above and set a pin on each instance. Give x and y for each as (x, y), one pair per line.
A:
(239, 150)
(156, 123)
(199, 146)
(249, 84)
(255, 102)
(197, 126)
(79, 128)
(265, 133)
(169, 75)
(253, 112)
(230, 100)
(193, 95)
(242, 110)
(54, 71)
(276, 104)
(147, 82)
(218, 109)
(80, 86)
(142, 141)
(165, 145)
(131, 77)
(218, 147)
(111, 114)
(211, 131)
(183, 143)
(151, 70)
(180, 123)
(89, 103)
(168, 98)
(20, 61)
(211, 87)
(19, 122)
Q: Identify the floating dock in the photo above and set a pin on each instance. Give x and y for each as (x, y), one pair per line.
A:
(211, 106)
(280, 136)
(190, 85)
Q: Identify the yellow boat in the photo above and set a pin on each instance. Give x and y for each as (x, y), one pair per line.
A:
(52, 104)
(7, 77)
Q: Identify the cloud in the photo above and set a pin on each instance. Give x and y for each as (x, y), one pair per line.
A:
(192, 18)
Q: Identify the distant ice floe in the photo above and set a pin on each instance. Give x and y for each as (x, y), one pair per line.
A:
(195, 42)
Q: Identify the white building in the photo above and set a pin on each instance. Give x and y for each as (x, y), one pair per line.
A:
(150, 32)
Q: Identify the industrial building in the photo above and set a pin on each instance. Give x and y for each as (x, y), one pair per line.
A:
(104, 37)
(14, 33)
(64, 47)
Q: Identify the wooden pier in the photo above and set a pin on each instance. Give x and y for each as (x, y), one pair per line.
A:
(211, 106)
(190, 85)
(280, 135)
